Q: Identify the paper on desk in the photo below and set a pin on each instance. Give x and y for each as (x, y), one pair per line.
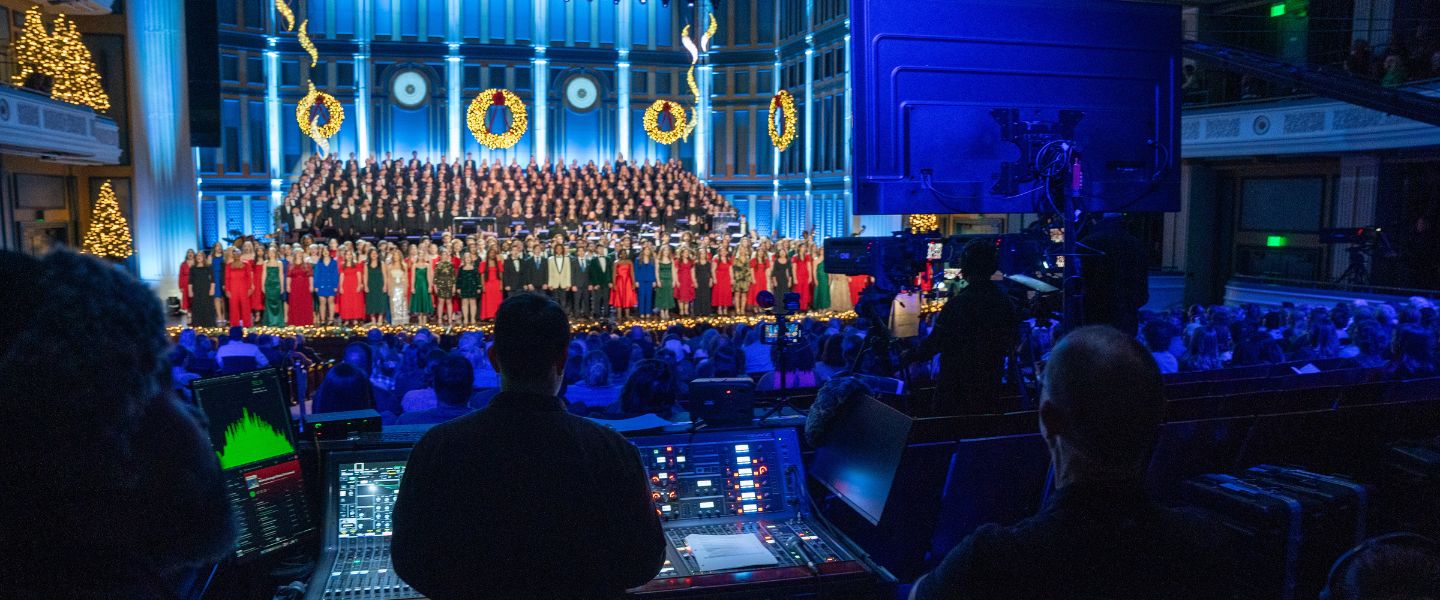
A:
(720, 552)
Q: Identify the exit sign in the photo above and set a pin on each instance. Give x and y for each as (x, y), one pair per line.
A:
(1277, 241)
(1277, 10)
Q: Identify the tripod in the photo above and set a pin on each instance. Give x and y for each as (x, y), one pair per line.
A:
(1357, 273)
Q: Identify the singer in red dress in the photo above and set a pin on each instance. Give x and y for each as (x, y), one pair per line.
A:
(238, 284)
(302, 303)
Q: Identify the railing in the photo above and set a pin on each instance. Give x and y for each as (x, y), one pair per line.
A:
(1336, 287)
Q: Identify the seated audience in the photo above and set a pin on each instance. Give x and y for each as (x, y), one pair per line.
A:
(115, 491)
(454, 379)
(1370, 343)
(594, 391)
(1159, 338)
(237, 347)
(651, 389)
(344, 388)
(1412, 353)
(1099, 534)
(502, 502)
(1203, 351)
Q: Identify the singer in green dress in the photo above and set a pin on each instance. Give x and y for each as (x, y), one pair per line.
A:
(420, 303)
(822, 288)
(665, 294)
(377, 302)
(274, 296)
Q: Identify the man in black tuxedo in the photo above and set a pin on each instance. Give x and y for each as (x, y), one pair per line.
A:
(600, 272)
(580, 281)
(513, 275)
(536, 276)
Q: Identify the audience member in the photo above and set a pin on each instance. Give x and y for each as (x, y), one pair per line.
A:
(1099, 534)
(116, 491)
(249, 354)
(454, 379)
(344, 388)
(651, 389)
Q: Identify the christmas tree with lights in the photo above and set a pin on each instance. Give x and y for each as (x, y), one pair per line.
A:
(60, 60)
(109, 234)
(77, 81)
(31, 49)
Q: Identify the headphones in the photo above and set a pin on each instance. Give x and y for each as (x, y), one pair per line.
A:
(1401, 539)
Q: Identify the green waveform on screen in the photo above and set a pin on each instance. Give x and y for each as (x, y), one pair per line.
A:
(250, 439)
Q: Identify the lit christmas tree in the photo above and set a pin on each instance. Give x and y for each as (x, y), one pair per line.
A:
(31, 48)
(61, 57)
(77, 81)
(109, 234)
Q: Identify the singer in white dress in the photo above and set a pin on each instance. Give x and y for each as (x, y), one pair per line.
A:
(399, 290)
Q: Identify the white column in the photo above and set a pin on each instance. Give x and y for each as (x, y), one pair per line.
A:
(163, 185)
(454, 72)
(1355, 197)
(774, 156)
(1177, 225)
(540, 76)
(623, 35)
(273, 122)
(365, 19)
(703, 132)
(849, 125)
(808, 128)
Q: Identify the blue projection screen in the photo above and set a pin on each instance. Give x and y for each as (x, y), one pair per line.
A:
(927, 74)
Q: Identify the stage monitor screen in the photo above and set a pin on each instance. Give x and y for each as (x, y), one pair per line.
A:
(250, 431)
(929, 94)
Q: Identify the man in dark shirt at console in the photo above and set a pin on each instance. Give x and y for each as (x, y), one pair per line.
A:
(521, 499)
(1099, 535)
(973, 334)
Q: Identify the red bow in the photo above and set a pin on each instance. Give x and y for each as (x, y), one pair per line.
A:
(498, 98)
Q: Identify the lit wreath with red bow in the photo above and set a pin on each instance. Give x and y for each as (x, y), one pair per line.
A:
(334, 114)
(480, 107)
(676, 114)
(785, 104)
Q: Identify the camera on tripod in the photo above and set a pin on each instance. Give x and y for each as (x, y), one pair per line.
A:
(1366, 245)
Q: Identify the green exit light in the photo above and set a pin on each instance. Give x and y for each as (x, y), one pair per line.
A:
(1277, 10)
(1277, 241)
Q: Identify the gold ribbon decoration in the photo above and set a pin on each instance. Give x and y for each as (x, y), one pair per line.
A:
(308, 45)
(284, 10)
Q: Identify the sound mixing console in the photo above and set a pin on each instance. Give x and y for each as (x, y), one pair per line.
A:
(355, 562)
(748, 482)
